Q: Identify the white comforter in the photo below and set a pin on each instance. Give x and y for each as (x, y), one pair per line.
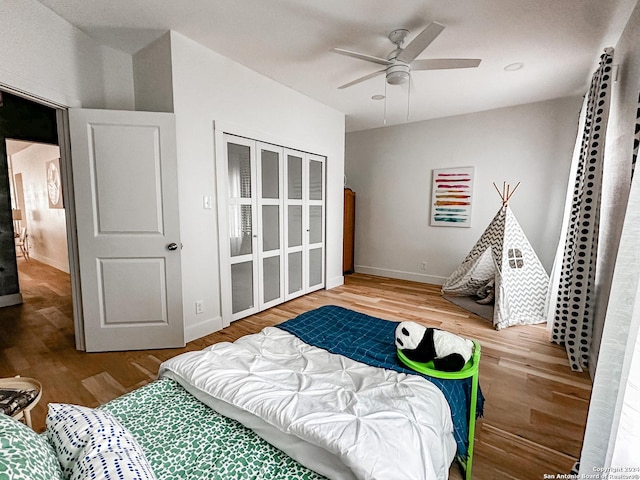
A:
(379, 423)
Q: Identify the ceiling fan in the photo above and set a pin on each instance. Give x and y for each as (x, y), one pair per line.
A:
(401, 61)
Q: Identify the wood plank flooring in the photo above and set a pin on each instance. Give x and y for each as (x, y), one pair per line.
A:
(535, 409)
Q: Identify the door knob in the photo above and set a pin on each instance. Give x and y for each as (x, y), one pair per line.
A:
(172, 246)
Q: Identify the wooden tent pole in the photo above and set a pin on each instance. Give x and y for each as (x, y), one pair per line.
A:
(513, 191)
(498, 190)
(507, 193)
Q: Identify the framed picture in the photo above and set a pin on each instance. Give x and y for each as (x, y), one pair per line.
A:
(54, 184)
(452, 197)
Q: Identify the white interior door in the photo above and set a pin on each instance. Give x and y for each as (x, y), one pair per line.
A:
(126, 197)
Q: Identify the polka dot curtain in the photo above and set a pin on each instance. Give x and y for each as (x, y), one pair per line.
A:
(636, 141)
(573, 318)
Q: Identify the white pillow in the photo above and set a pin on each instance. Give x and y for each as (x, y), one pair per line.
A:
(92, 444)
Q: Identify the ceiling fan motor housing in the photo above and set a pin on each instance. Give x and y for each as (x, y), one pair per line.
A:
(399, 63)
(397, 73)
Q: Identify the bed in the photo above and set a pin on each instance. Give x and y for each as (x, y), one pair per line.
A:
(325, 390)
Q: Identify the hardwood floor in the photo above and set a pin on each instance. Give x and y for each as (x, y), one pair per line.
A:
(535, 408)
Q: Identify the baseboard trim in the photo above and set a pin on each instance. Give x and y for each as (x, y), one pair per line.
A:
(202, 329)
(334, 282)
(401, 275)
(9, 300)
(63, 267)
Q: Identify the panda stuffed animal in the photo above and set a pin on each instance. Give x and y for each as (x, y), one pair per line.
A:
(448, 351)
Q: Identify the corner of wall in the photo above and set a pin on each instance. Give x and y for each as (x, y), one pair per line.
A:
(117, 72)
(153, 77)
(201, 329)
(334, 282)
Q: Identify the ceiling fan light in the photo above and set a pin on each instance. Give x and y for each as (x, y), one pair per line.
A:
(397, 74)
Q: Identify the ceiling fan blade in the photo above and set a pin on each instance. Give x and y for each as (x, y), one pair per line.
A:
(361, 56)
(422, 41)
(361, 79)
(444, 63)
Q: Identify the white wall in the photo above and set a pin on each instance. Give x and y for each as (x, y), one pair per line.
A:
(46, 56)
(46, 226)
(152, 79)
(208, 88)
(390, 170)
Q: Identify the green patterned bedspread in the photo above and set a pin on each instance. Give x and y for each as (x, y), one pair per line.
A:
(185, 439)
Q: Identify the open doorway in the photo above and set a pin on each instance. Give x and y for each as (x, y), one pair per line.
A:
(34, 255)
(37, 209)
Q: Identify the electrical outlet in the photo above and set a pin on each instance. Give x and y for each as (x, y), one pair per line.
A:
(199, 307)
(423, 266)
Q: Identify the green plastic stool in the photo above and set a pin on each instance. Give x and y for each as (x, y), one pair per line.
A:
(471, 369)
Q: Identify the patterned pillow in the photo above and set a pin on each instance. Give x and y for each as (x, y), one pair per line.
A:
(92, 444)
(24, 454)
(108, 458)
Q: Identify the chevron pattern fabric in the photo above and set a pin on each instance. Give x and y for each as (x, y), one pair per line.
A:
(504, 254)
(522, 295)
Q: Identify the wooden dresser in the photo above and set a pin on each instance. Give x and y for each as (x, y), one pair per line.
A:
(349, 230)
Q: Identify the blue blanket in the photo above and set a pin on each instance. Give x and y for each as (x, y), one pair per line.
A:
(371, 340)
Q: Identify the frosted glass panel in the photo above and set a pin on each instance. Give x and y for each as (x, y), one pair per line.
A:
(271, 278)
(270, 174)
(270, 227)
(315, 266)
(241, 286)
(315, 180)
(240, 229)
(315, 224)
(239, 158)
(295, 272)
(294, 172)
(295, 225)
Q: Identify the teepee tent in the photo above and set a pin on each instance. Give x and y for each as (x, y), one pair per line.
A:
(503, 254)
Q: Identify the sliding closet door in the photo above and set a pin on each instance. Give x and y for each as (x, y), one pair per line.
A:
(242, 234)
(315, 218)
(270, 225)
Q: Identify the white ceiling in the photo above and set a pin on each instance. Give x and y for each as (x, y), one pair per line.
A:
(559, 42)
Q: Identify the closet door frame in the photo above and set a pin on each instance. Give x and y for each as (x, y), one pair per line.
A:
(243, 136)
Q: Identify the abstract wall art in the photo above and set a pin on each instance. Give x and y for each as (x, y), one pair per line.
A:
(451, 197)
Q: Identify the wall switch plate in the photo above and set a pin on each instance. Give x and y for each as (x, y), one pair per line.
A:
(206, 202)
(199, 307)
